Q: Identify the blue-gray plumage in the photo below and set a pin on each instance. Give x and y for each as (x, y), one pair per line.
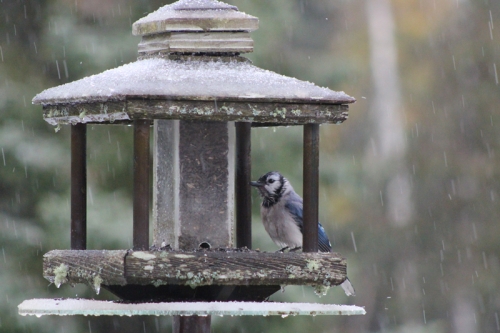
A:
(281, 213)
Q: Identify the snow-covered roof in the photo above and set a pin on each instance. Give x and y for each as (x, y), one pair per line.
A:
(179, 89)
(190, 80)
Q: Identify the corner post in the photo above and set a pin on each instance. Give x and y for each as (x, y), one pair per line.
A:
(311, 187)
(141, 185)
(79, 186)
(243, 189)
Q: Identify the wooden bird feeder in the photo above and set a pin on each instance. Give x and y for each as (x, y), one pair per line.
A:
(201, 97)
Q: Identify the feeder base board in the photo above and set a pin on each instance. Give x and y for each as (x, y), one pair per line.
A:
(71, 307)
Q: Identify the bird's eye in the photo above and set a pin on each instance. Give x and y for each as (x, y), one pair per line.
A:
(270, 181)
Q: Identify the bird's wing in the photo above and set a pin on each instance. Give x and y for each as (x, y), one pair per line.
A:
(323, 241)
(295, 206)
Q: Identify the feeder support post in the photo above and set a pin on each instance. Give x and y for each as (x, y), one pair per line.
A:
(311, 187)
(141, 185)
(79, 186)
(243, 188)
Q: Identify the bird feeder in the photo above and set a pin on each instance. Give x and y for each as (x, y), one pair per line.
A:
(201, 98)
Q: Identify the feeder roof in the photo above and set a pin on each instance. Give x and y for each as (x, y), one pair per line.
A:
(192, 89)
(190, 80)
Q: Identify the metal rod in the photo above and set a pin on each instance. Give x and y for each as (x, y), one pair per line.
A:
(243, 188)
(141, 185)
(311, 187)
(79, 187)
(191, 324)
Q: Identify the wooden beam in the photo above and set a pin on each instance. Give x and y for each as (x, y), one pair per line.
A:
(288, 113)
(203, 268)
(186, 42)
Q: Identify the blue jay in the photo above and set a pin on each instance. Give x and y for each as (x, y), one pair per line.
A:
(281, 213)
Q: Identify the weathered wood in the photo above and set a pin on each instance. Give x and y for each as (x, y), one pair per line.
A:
(237, 111)
(236, 42)
(106, 113)
(79, 187)
(273, 113)
(191, 324)
(310, 188)
(92, 267)
(141, 185)
(235, 268)
(192, 20)
(243, 198)
(203, 268)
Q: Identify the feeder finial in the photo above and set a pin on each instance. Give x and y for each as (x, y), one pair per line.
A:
(195, 26)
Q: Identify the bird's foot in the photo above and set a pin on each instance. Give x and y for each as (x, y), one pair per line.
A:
(288, 249)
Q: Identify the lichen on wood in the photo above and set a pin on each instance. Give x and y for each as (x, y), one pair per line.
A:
(92, 267)
(200, 268)
(206, 110)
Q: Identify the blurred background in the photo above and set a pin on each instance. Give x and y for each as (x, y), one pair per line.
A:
(409, 184)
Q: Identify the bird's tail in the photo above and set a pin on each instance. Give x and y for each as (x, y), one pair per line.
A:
(348, 288)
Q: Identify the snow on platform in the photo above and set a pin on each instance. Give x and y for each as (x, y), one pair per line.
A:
(69, 307)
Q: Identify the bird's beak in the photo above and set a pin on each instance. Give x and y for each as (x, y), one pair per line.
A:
(257, 184)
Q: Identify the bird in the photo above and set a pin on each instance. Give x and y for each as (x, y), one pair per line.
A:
(282, 215)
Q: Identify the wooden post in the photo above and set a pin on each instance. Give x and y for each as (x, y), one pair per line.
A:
(79, 186)
(311, 187)
(243, 188)
(141, 185)
(191, 324)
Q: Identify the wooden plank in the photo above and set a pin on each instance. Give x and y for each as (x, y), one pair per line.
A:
(223, 20)
(235, 268)
(203, 268)
(238, 42)
(97, 112)
(272, 113)
(92, 267)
